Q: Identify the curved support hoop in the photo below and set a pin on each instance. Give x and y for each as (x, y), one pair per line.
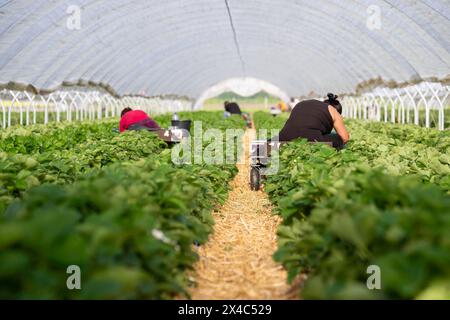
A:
(79, 105)
(441, 107)
(412, 98)
(16, 101)
(402, 105)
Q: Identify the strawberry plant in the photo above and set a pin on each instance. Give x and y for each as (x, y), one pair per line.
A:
(130, 220)
(55, 136)
(118, 208)
(381, 201)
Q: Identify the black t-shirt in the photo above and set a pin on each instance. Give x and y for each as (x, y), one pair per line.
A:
(233, 108)
(309, 119)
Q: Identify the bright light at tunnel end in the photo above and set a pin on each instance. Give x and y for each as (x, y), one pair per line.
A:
(244, 87)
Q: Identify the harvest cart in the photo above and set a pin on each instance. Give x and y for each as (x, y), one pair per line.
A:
(260, 151)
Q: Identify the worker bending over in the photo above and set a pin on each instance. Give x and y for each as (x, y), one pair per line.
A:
(233, 108)
(314, 120)
(135, 120)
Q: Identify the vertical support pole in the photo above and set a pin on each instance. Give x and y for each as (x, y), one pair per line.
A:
(344, 107)
(355, 107)
(63, 104)
(10, 108)
(77, 105)
(373, 111)
(414, 104)
(427, 108)
(68, 103)
(91, 106)
(402, 106)
(381, 105)
(99, 106)
(16, 102)
(46, 102)
(3, 112)
(386, 113)
(33, 106)
(392, 103)
(437, 95)
(58, 109)
(27, 109)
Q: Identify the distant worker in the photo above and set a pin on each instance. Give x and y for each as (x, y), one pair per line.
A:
(232, 107)
(314, 120)
(135, 120)
(282, 106)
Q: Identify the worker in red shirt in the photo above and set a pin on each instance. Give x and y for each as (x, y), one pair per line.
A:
(136, 119)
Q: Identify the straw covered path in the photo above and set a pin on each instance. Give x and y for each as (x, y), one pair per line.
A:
(236, 262)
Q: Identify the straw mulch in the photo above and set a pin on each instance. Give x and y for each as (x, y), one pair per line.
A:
(236, 262)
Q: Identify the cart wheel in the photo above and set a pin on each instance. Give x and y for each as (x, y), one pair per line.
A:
(255, 179)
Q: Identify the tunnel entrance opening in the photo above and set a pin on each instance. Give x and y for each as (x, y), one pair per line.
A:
(245, 88)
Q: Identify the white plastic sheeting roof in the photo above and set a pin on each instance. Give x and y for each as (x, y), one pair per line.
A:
(184, 47)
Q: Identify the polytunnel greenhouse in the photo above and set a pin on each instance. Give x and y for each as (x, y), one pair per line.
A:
(224, 150)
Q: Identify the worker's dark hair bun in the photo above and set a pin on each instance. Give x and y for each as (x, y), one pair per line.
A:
(333, 101)
(332, 97)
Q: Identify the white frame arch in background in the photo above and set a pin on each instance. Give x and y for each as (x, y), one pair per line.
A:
(83, 105)
(397, 104)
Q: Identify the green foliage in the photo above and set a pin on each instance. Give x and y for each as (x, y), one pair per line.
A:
(128, 217)
(54, 136)
(214, 120)
(381, 201)
(135, 220)
(50, 158)
(397, 149)
(19, 172)
(433, 138)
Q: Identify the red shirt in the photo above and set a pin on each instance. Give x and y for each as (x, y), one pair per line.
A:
(133, 117)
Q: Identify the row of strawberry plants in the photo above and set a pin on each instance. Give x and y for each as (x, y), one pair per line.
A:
(129, 226)
(343, 214)
(19, 172)
(60, 136)
(61, 152)
(408, 133)
(67, 135)
(401, 157)
(54, 136)
(396, 156)
(130, 229)
(386, 132)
